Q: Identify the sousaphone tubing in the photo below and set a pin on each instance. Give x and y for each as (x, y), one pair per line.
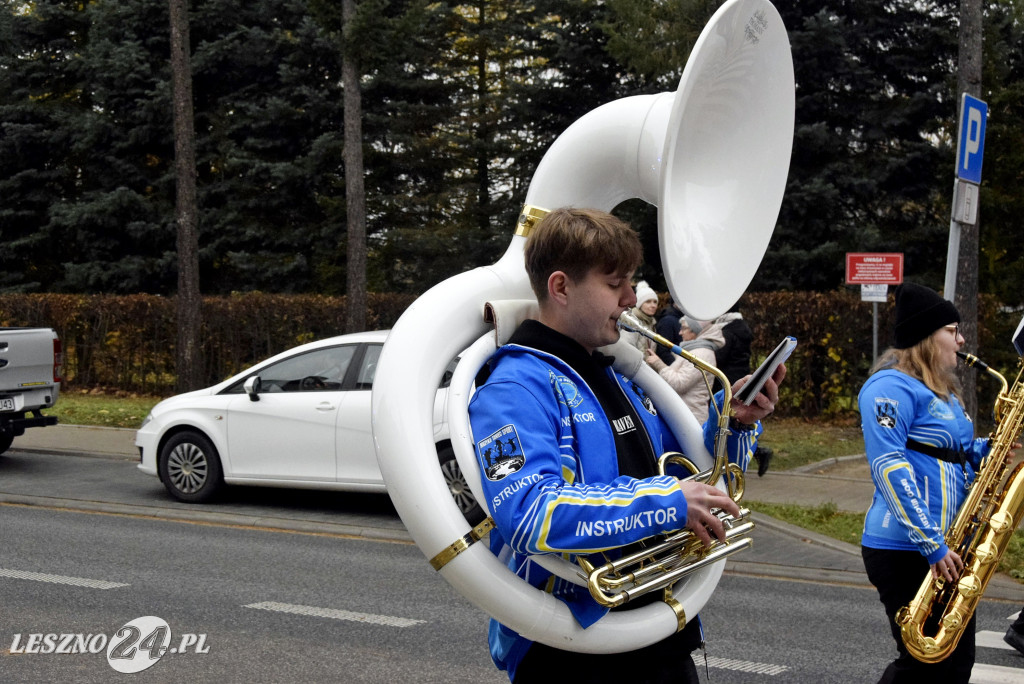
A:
(713, 156)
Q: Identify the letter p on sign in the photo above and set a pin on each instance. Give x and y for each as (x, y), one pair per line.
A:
(971, 144)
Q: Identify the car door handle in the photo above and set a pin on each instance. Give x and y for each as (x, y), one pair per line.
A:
(325, 406)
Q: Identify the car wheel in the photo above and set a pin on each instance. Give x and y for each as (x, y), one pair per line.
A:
(190, 467)
(6, 440)
(458, 486)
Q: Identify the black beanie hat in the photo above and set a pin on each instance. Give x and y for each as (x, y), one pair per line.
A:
(920, 311)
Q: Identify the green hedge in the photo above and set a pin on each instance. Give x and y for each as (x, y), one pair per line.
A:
(835, 350)
(127, 342)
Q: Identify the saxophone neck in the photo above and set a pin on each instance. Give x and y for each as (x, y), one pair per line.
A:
(974, 362)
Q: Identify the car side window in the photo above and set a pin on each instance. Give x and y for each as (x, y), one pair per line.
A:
(318, 370)
(368, 368)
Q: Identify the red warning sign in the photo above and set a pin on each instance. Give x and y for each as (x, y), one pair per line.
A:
(874, 268)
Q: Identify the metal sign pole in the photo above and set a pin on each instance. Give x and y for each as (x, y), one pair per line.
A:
(874, 333)
(952, 254)
(970, 154)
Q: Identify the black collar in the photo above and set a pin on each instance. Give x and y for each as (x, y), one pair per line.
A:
(534, 334)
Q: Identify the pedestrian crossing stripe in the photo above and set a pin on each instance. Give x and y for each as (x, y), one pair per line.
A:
(745, 666)
(335, 614)
(995, 674)
(985, 638)
(60, 579)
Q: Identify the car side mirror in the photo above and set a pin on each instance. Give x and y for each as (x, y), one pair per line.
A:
(252, 387)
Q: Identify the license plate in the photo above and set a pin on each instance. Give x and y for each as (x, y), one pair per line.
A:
(6, 403)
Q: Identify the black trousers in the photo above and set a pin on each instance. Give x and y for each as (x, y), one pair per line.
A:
(898, 575)
(1018, 624)
(666, 662)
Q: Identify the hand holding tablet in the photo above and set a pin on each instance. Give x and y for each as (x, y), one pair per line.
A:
(748, 392)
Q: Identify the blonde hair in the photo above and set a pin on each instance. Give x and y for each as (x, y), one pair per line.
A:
(919, 361)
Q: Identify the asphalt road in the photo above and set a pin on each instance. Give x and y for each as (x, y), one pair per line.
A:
(310, 586)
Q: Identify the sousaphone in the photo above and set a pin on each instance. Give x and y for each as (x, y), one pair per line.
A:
(713, 156)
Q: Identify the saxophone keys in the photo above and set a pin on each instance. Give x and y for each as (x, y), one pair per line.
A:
(928, 645)
(986, 553)
(969, 585)
(953, 620)
(1001, 521)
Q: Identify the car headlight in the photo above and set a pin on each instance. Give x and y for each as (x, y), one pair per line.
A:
(149, 417)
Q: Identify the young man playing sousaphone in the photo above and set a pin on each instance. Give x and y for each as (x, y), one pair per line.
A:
(576, 472)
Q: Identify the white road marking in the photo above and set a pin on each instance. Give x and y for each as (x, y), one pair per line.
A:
(61, 579)
(986, 638)
(314, 611)
(741, 665)
(994, 674)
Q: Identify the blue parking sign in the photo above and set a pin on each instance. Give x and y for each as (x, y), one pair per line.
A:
(971, 143)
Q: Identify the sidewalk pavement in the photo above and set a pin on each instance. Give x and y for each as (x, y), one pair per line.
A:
(80, 439)
(779, 549)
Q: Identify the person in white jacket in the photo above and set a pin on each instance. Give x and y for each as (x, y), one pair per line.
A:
(702, 339)
(646, 306)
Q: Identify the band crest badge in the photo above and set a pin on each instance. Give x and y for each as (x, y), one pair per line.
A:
(644, 399)
(885, 412)
(501, 453)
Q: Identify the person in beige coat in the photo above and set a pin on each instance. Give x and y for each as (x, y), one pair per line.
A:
(702, 339)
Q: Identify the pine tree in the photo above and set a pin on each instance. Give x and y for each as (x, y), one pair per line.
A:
(268, 112)
(1001, 267)
(867, 172)
(41, 104)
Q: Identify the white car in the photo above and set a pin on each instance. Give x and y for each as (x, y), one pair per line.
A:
(299, 419)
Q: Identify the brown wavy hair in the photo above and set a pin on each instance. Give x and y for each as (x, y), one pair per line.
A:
(575, 241)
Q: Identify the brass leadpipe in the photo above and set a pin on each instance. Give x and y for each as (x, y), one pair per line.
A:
(628, 321)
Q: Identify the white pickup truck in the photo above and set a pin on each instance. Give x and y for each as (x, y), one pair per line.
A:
(31, 364)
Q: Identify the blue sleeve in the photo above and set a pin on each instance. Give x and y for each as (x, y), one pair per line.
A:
(887, 412)
(740, 446)
(977, 451)
(529, 464)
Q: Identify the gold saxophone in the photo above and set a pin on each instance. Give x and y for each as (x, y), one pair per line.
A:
(979, 535)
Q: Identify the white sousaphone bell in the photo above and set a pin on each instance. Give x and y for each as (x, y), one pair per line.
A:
(713, 157)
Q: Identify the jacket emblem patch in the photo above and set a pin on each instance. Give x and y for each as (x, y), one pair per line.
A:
(885, 412)
(501, 452)
(566, 390)
(940, 410)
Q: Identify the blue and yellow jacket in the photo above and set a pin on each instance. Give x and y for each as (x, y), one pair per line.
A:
(550, 475)
(917, 496)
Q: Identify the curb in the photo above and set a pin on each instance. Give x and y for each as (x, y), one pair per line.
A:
(828, 462)
(768, 522)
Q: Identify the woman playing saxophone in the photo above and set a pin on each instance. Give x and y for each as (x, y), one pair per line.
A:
(923, 456)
